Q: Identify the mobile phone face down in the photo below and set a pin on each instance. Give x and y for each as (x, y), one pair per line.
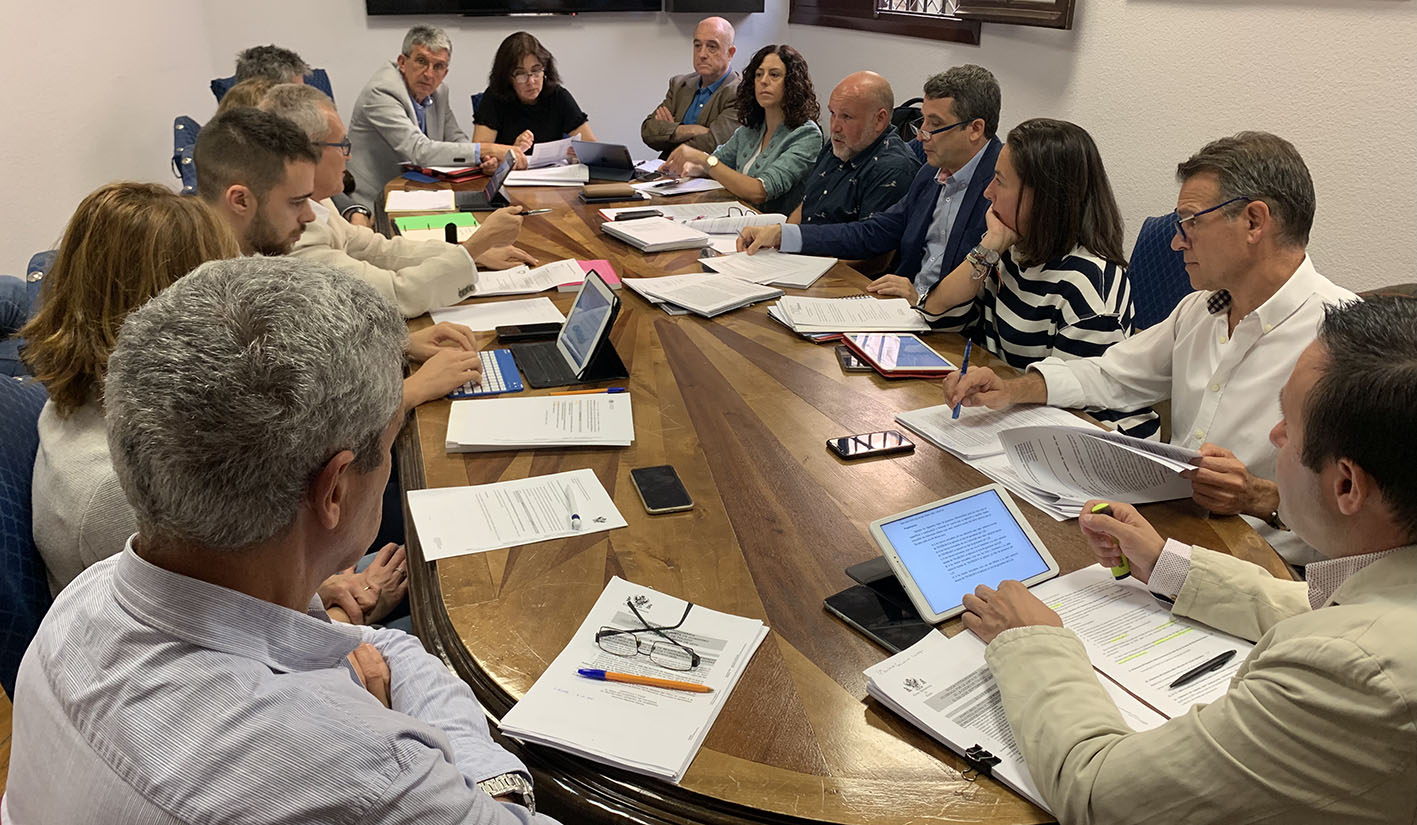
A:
(638, 213)
(528, 332)
(862, 445)
(660, 489)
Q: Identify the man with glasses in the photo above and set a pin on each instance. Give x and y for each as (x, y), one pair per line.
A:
(700, 108)
(415, 276)
(1242, 224)
(403, 114)
(941, 217)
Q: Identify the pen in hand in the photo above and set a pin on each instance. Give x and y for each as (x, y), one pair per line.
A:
(1202, 669)
(573, 507)
(968, 345)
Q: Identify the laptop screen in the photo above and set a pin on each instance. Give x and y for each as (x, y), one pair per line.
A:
(494, 184)
(585, 323)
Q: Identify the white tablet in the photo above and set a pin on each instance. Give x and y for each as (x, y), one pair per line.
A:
(588, 322)
(943, 550)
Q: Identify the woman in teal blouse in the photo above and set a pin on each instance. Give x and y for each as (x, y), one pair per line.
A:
(767, 159)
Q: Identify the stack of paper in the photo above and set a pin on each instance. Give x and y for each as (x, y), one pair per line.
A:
(501, 313)
(456, 521)
(683, 212)
(432, 227)
(859, 314)
(975, 434)
(649, 730)
(549, 153)
(733, 224)
(706, 295)
(591, 420)
(420, 200)
(772, 267)
(522, 280)
(572, 175)
(655, 234)
(679, 186)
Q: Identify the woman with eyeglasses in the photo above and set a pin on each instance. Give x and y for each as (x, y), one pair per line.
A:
(767, 159)
(1048, 278)
(525, 103)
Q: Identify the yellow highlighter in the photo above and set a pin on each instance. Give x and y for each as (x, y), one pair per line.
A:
(1124, 569)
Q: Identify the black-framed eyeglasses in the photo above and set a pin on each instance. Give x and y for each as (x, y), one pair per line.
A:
(1181, 222)
(344, 146)
(664, 651)
(918, 126)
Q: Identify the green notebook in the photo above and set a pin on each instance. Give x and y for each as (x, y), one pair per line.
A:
(409, 222)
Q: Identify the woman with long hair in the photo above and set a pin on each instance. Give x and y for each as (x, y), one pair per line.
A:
(767, 159)
(525, 103)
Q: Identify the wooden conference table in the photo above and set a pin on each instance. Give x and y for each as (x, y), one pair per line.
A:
(742, 408)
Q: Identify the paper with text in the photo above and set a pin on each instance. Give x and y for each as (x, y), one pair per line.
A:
(500, 313)
(975, 434)
(522, 280)
(861, 314)
(769, 266)
(420, 200)
(592, 420)
(1078, 463)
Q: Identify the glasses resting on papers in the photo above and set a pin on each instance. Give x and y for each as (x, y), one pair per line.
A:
(663, 651)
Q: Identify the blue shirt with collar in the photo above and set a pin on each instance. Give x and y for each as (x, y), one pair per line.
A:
(701, 96)
(937, 237)
(420, 111)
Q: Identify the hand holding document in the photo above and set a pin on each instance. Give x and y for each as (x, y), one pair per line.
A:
(549, 153)
(501, 313)
(456, 521)
(598, 419)
(648, 728)
(1079, 463)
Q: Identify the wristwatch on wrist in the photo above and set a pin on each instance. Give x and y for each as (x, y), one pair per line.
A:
(1274, 521)
(712, 161)
(356, 209)
(983, 259)
(510, 784)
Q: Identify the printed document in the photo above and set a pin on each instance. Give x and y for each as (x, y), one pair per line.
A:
(733, 224)
(1077, 463)
(857, 314)
(769, 266)
(457, 521)
(680, 186)
(574, 175)
(649, 730)
(549, 153)
(522, 280)
(593, 420)
(683, 212)
(975, 434)
(708, 295)
(420, 200)
(501, 313)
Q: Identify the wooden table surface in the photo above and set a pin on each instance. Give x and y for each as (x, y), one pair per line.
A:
(742, 408)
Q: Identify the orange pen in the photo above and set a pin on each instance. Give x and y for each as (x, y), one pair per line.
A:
(630, 678)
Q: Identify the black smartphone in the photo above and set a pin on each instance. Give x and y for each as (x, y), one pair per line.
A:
(528, 332)
(850, 361)
(861, 445)
(660, 489)
(890, 625)
(637, 213)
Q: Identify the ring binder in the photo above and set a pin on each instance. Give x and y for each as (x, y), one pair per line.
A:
(981, 762)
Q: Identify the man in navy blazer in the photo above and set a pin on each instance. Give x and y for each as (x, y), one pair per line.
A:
(941, 216)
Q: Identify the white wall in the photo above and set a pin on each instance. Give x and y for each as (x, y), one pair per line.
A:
(1152, 80)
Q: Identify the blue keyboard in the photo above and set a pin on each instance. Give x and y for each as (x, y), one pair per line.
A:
(499, 375)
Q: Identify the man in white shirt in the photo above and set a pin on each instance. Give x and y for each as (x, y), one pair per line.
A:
(1243, 217)
(415, 275)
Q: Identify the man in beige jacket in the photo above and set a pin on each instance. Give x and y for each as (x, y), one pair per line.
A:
(1320, 722)
(415, 276)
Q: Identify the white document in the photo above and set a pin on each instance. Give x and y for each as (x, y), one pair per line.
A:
(1138, 642)
(574, 175)
(592, 420)
(769, 266)
(521, 280)
(707, 295)
(1079, 463)
(681, 186)
(859, 314)
(654, 234)
(945, 687)
(489, 316)
(724, 244)
(683, 212)
(457, 521)
(650, 730)
(649, 167)
(998, 468)
(420, 200)
(733, 224)
(549, 153)
(975, 434)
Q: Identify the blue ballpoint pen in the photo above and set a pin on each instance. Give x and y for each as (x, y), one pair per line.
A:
(968, 345)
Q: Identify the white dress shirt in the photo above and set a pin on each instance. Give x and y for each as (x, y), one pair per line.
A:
(1224, 388)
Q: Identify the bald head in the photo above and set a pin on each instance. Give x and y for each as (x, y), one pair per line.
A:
(860, 106)
(713, 48)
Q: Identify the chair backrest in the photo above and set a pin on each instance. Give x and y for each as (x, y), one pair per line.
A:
(476, 101)
(24, 585)
(1157, 272)
(184, 143)
(317, 78)
(904, 115)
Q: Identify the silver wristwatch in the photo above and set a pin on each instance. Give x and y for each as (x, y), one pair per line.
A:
(510, 784)
(983, 259)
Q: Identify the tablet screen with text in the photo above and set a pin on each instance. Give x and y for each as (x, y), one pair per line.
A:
(949, 549)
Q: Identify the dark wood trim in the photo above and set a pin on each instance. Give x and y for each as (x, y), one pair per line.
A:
(910, 25)
(1057, 14)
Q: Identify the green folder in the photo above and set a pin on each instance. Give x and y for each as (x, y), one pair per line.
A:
(409, 222)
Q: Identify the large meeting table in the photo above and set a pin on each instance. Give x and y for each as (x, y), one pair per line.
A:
(742, 407)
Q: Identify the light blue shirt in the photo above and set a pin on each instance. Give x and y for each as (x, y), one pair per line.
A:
(420, 111)
(159, 698)
(701, 96)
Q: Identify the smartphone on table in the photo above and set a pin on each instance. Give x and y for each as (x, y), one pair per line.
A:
(660, 489)
(861, 445)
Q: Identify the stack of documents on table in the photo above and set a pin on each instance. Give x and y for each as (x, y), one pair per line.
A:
(945, 687)
(456, 521)
(573, 175)
(590, 420)
(861, 313)
(433, 227)
(769, 266)
(549, 153)
(649, 730)
(679, 186)
(420, 200)
(707, 295)
(522, 280)
(655, 234)
(733, 224)
(500, 313)
(975, 434)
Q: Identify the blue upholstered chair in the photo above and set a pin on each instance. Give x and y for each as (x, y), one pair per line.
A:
(184, 143)
(24, 587)
(317, 78)
(1157, 272)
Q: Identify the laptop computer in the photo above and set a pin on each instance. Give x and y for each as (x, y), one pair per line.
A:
(492, 197)
(582, 352)
(607, 161)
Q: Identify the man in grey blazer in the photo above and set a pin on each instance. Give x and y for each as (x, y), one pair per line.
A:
(403, 114)
(700, 108)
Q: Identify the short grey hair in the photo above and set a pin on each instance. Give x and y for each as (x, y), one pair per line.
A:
(974, 93)
(273, 62)
(1264, 167)
(230, 391)
(305, 106)
(431, 38)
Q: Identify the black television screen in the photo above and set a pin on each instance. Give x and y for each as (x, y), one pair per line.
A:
(492, 7)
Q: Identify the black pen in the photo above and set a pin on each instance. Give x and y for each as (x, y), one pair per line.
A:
(1202, 669)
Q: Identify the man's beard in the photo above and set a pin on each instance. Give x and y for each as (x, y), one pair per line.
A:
(265, 240)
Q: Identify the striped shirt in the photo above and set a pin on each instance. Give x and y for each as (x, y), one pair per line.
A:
(1073, 307)
(151, 697)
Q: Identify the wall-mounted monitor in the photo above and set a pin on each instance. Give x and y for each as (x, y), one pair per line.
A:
(494, 7)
